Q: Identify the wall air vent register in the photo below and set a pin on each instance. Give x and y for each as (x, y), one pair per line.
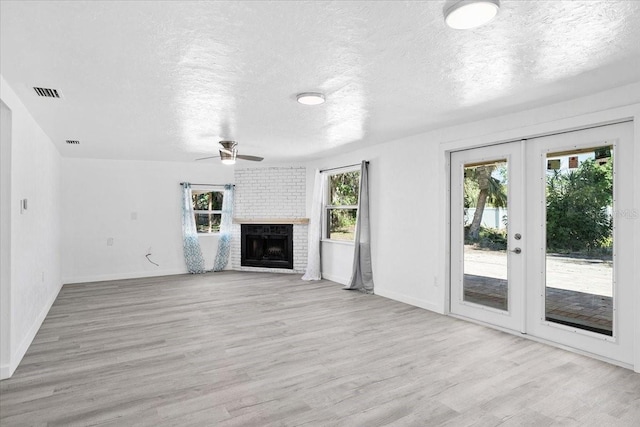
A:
(47, 93)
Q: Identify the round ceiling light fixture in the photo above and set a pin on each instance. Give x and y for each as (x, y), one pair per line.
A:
(467, 14)
(310, 98)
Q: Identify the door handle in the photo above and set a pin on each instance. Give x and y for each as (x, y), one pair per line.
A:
(517, 250)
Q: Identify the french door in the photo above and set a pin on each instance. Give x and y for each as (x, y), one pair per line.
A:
(541, 238)
(487, 206)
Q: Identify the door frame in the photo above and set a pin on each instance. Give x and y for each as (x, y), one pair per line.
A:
(583, 113)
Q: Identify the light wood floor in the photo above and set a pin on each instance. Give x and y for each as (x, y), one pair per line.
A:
(254, 349)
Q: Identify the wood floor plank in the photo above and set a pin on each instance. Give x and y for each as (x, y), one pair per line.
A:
(261, 349)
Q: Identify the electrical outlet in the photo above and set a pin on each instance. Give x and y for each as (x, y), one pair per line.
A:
(134, 216)
(110, 241)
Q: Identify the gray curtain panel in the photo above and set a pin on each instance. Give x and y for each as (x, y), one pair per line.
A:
(362, 274)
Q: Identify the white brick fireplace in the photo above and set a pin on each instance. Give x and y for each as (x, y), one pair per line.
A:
(266, 196)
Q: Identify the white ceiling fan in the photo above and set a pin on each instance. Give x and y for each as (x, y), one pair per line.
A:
(229, 153)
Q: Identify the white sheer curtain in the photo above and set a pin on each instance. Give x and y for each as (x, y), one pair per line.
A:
(314, 267)
(362, 275)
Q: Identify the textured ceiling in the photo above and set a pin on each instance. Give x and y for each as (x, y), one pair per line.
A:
(166, 80)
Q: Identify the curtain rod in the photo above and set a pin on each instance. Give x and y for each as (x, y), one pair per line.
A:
(209, 185)
(342, 167)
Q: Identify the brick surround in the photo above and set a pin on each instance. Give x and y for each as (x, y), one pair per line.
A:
(268, 193)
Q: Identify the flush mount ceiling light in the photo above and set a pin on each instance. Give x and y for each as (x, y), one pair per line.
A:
(466, 14)
(310, 98)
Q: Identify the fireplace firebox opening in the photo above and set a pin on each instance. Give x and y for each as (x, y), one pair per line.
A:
(267, 245)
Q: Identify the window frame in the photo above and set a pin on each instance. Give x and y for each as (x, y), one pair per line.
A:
(327, 207)
(201, 190)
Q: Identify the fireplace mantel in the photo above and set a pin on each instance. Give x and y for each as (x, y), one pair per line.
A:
(271, 220)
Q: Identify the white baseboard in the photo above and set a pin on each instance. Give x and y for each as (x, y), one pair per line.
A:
(427, 305)
(337, 279)
(6, 371)
(123, 276)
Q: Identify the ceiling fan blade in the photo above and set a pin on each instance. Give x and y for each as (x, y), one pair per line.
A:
(251, 158)
(205, 158)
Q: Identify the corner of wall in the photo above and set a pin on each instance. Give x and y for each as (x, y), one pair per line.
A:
(22, 348)
(35, 255)
(407, 299)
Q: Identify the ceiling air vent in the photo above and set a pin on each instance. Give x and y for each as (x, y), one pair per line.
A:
(47, 93)
(73, 141)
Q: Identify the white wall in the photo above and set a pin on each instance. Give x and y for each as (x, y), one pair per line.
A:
(35, 277)
(5, 236)
(337, 259)
(403, 197)
(101, 198)
(408, 192)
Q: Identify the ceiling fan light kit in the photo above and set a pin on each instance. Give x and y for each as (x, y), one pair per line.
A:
(467, 14)
(310, 98)
(229, 161)
(228, 152)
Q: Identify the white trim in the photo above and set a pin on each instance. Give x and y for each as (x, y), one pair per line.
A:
(636, 205)
(545, 121)
(204, 189)
(337, 279)
(427, 305)
(543, 341)
(341, 206)
(565, 150)
(207, 212)
(123, 276)
(5, 371)
(327, 193)
(620, 345)
(339, 242)
(566, 124)
(513, 316)
(17, 356)
(5, 242)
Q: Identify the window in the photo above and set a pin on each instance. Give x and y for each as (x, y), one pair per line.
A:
(341, 205)
(207, 209)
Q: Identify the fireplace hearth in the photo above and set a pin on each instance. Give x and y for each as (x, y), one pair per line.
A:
(267, 245)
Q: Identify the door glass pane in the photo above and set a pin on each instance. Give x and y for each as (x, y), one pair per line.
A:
(485, 234)
(579, 247)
